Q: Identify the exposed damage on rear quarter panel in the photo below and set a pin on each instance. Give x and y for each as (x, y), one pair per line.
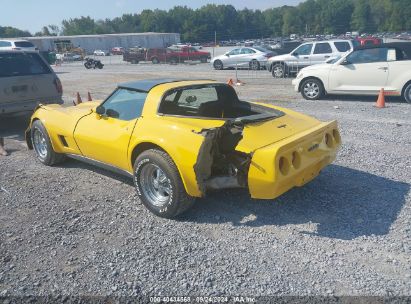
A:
(219, 165)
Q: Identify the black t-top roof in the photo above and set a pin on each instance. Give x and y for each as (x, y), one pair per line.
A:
(147, 84)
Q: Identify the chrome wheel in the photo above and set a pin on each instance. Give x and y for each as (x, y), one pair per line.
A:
(155, 185)
(254, 65)
(218, 65)
(278, 71)
(40, 143)
(311, 90)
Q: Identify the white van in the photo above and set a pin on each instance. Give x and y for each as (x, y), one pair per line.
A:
(26, 80)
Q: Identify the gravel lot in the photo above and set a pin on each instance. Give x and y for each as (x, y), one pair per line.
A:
(78, 230)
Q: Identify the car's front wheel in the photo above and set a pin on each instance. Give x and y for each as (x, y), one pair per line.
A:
(218, 65)
(42, 145)
(159, 185)
(407, 93)
(278, 70)
(312, 89)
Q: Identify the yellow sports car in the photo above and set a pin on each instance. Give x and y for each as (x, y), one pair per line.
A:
(179, 139)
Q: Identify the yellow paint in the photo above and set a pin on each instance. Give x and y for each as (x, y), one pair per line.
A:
(113, 141)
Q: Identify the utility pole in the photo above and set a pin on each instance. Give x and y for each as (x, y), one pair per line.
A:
(215, 38)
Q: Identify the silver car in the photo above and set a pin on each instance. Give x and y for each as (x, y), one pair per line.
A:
(247, 57)
(26, 80)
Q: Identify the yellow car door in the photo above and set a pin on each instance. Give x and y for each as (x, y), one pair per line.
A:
(104, 135)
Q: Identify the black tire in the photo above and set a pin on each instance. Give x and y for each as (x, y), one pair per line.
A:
(312, 89)
(203, 59)
(155, 60)
(47, 156)
(168, 206)
(134, 61)
(218, 65)
(278, 70)
(407, 93)
(173, 60)
(254, 65)
(87, 66)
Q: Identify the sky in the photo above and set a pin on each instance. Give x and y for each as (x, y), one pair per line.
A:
(32, 15)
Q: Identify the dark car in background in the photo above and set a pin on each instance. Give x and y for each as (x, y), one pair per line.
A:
(26, 79)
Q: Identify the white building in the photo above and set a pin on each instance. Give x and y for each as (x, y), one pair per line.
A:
(107, 41)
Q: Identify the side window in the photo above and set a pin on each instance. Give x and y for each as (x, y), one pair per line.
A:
(5, 43)
(125, 104)
(234, 52)
(342, 46)
(304, 49)
(189, 101)
(368, 56)
(247, 51)
(322, 48)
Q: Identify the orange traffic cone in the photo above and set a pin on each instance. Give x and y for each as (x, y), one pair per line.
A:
(89, 96)
(78, 101)
(381, 99)
(230, 82)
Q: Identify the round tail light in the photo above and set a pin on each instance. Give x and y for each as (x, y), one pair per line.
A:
(283, 165)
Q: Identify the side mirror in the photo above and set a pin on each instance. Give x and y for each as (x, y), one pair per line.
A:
(294, 54)
(228, 55)
(100, 110)
(112, 113)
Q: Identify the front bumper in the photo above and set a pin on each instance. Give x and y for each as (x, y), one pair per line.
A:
(296, 83)
(292, 162)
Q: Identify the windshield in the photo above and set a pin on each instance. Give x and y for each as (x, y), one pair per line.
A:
(333, 60)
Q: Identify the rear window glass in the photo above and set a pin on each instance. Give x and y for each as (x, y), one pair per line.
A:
(23, 44)
(342, 46)
(22, 64)
(5, 43)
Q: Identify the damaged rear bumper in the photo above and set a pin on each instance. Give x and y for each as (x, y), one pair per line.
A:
(292, 162)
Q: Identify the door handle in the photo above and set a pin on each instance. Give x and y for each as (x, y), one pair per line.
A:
(326, 56)
(305, 57)
(383, 68)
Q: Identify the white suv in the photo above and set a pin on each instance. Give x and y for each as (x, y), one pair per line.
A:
(17, 44)
(307, 54)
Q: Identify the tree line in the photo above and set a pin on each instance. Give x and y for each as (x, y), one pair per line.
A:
(309, 17)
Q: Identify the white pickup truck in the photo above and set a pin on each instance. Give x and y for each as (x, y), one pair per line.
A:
(360, 72)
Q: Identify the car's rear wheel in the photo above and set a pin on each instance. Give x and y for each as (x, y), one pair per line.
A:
(173, 60)
(159, 185)
(155, 60)
(42, 145)
(254, 65)
(278, 70)
(218, 65)
(312, 89)
(134, 61)
(407, 93)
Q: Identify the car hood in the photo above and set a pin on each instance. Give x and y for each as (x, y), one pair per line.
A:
(321, 66)
(75, 112)
(279, 57)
